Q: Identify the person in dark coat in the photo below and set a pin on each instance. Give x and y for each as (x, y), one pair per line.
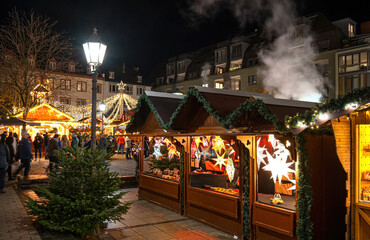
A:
(53, 146)
(87, 143)
(25, 154)
(10, 143)
(103, 142)
(146, 147)
(4, 159)
(46, 143)
(37, 143)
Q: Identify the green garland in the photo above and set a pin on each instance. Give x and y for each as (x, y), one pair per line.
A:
(182, 178)
(246, 222)
(304, 201)
(144, 99)
(357, 96)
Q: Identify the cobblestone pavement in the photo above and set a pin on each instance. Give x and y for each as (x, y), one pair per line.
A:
(144, 220)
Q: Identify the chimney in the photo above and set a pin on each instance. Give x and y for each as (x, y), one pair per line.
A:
(123, 67)
(365, 27)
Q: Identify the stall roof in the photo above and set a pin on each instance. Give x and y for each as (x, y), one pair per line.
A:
(17, 122)
(233, 109)
(46, 112)
(162, 105)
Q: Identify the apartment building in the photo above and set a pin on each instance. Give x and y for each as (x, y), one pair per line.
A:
(235, 63)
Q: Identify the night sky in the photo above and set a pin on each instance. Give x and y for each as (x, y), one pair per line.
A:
(143, 33)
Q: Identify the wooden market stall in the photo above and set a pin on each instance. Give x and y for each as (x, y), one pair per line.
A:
(50, 118)
(242, 121)
(159, 171)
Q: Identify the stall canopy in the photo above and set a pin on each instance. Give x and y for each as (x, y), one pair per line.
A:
(17, 122)
(155, 109)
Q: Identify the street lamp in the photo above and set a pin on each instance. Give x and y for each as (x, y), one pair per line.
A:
(94, 50)
(102, 107)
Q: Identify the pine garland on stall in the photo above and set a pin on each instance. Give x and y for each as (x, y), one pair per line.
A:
(182, 178)
(246, 223)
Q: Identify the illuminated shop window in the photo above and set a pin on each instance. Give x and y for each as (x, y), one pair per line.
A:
(163, 160)
(215, 164)
(364, 162)
(276, 183)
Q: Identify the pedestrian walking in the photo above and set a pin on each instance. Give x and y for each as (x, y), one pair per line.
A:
(75, 140)
(87, 142)
(53, 147)
(4, 159)
(10, 140)
(64, 142)
(46, 143)
(128, 147)
(37, 143)
(25, 154)
(120, 143)
(103, 142)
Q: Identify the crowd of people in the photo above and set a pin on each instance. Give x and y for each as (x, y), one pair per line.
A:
(13, 149)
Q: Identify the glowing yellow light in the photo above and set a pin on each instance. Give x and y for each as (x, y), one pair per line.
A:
(220, 160)
(218, 144)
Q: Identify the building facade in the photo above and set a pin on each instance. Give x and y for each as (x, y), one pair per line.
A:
(235, 64)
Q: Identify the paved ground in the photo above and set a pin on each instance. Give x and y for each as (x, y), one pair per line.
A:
(144, 220)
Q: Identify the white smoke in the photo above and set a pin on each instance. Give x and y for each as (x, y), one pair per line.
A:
(288, 70)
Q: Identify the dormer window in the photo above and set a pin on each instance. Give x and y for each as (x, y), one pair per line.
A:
(170, 69)
(88, 69)
(236, 51)
(220, 55)
(111, 75)
(139, 79)
(71, 67)
(52, 64)
(31, 61)
(351, 30)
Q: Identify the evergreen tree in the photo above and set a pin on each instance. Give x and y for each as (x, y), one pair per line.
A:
(81, 194)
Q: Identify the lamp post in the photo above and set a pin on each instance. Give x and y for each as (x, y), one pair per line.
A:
(94, 50)
(102, 107)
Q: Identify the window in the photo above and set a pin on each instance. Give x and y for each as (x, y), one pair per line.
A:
(353, 62)
(81, 102)
(205, 85)
(252, 80)
(113, 88)
(236, 51)
(181, 67)
(31, 61)
(52, 65)
(99, 88)
(235, 83)
(215, 156)
(351, 30)
(65, 84)
(50, 83)
(81, 86)
(139, 79)
(128, 90)
(140, 91)
(71, 67)
(351, 82)
(88, 69)
(170, 69)
(276, 176)
(111, 75)
(219, 83)
(65, 100)
(219, 70)
(220, 55)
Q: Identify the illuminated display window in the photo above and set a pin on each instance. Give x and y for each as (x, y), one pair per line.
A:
(363, 153)
(276, 181)
(164, 159)
(215, 164)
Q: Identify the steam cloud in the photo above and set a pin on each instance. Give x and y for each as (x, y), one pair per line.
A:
(288, 70)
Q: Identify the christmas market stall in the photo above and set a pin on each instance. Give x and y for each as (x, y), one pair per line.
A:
(233, 135)
(161, 161)
(49, 118)
(349, 121)
(15, 124)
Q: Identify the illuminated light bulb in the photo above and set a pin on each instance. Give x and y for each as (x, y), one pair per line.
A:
(287, 144)
(351, 106)
(324, 116)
